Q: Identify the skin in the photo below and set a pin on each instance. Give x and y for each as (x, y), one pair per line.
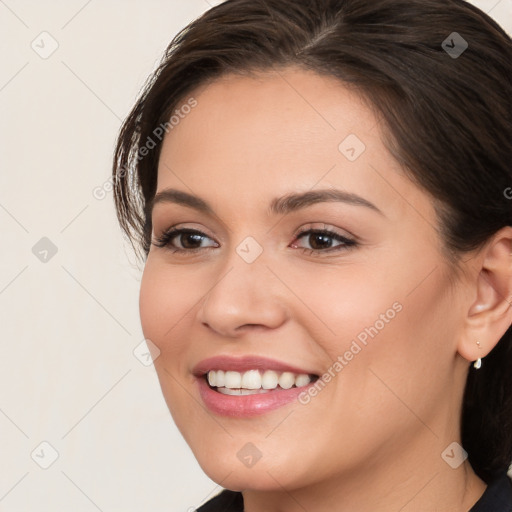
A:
(372, 439)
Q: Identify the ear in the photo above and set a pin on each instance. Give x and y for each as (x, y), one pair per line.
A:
(490, 314)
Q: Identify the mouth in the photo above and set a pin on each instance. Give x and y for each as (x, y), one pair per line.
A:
(255, 381)
(251, 385)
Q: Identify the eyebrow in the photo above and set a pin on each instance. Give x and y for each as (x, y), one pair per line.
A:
(278, 206)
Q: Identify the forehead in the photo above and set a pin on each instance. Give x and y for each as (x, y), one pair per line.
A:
(279, 108)
(273, 132)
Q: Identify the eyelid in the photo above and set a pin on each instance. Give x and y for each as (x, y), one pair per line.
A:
(322, 226)
(185, 226)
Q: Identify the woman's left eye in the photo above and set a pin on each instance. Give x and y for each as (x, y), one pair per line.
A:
(320, 240)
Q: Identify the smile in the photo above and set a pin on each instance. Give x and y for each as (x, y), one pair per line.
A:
(249, 385)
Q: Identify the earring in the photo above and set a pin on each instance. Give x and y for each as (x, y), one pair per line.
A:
(478, 363)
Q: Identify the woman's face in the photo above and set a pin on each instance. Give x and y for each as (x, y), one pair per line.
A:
(367, 306)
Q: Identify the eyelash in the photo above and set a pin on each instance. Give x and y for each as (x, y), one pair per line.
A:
(166, 237)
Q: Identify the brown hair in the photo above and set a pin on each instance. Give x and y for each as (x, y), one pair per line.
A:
(447, 110)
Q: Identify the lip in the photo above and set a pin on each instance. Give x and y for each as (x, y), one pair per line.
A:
(242, 406)
(242, 364)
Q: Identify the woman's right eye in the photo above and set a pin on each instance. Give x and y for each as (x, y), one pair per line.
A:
(188, 239)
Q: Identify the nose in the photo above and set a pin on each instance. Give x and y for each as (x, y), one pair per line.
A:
(244, 297)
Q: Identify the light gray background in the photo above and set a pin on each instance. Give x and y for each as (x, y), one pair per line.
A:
(70, 324)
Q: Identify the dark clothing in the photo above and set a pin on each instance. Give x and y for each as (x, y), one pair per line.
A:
(226, 501)
(497, 497)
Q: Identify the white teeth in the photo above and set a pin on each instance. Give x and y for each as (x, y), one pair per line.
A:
(286, 380)
(252, 381)
(232, 380)
(220, 379)
(300, 380)
(270, 380)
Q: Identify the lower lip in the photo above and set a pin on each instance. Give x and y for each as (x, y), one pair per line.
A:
(242, 406)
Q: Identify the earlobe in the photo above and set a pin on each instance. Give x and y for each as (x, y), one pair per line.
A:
(490, 314)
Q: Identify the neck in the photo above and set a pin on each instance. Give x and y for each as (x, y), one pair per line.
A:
(408, 483)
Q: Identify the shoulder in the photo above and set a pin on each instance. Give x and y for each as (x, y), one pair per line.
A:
(497, 497)
(226, 501)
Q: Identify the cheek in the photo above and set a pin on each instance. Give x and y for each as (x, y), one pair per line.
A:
(376, 323)
(152, 303)
(165, 298)
(340, 305)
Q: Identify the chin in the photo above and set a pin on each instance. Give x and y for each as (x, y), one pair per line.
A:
(263, 475)
(246, 479)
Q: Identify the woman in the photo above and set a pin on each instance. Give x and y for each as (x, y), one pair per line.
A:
(321, 192)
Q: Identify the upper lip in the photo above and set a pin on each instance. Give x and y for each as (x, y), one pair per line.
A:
(242, 364)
